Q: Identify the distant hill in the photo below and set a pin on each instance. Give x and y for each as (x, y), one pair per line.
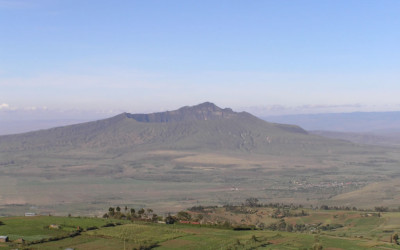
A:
(379, 122)
(382, 138)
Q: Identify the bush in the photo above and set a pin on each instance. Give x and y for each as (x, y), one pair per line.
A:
(242, 228)
(170, 219)
(330, 227)
(109, 225)
(381, 209)
(91, 228)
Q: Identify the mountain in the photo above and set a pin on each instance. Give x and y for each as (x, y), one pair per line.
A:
(201, 127)
(201, 154)
(384, 138)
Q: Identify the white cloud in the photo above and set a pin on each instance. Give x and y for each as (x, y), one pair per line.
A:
(4, 106)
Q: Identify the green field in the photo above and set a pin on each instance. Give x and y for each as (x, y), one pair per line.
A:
(37, 227)
(361, 230)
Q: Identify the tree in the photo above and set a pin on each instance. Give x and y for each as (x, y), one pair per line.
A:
(182, 215)
(133, 211)
(324, 207)
(251, 202)
(170, 219)
(381, 209)
(118, 209)
(395, 238)
(141, 212)
(289, 227)
(111, 211)
(281, 225)
(199, 217)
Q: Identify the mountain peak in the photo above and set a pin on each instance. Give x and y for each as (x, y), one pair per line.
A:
(205, 106)
(203, 111)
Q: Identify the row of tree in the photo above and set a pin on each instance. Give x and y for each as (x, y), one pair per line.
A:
(254, 202)
(148, 215)
(281, 225)
(131, 214)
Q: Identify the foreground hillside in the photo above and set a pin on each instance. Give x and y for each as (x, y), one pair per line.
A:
(176, 159)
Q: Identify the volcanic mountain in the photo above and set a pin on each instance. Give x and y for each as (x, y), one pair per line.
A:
(204, 127)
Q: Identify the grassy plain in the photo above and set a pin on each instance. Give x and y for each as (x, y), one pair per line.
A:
(37, 227)
(175, 180)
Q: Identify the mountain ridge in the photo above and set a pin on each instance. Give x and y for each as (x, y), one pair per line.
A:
(203, 111)
(204, 126)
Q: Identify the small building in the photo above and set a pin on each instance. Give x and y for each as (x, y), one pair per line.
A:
(3, 238)
(30, 214)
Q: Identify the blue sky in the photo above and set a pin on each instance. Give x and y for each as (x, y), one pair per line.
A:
(142, 56)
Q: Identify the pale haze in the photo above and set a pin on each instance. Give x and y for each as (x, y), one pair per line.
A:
(91, 59)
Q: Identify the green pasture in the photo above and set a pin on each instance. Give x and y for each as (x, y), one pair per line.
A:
(37, 227)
